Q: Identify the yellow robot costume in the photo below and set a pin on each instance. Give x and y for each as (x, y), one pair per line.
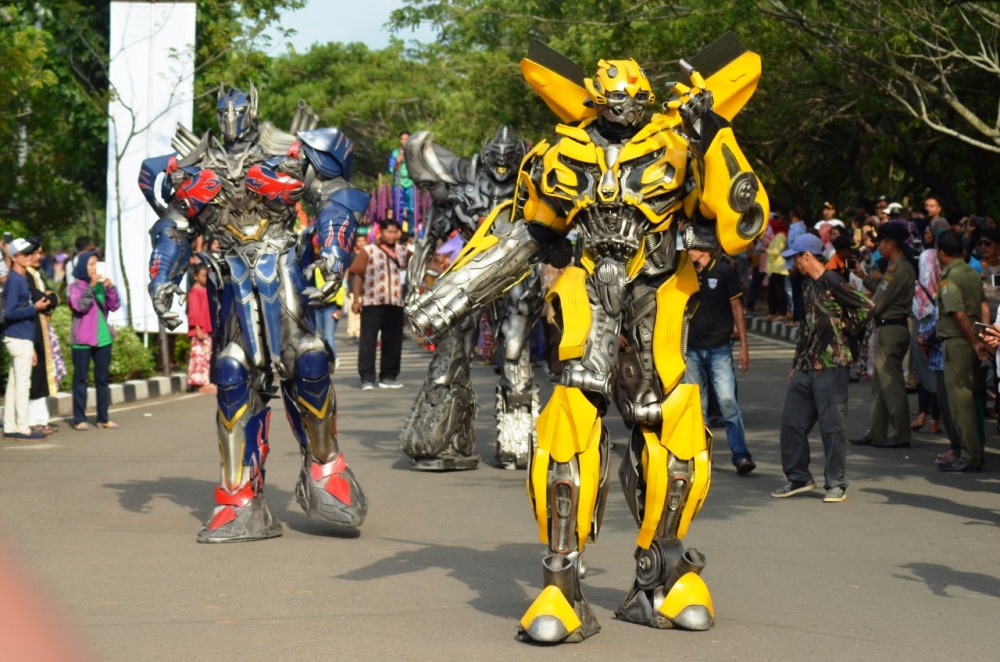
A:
(625, 183)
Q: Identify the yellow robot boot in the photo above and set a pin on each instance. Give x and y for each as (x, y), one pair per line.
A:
(666, 475)
(567, 483)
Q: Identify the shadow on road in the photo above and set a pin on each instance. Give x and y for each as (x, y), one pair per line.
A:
(974, 514)
(505, 578)
(940, 577)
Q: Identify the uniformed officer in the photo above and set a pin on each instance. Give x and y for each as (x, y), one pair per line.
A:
(892, 296)
(959, 304)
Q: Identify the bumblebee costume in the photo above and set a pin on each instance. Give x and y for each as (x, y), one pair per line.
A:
(624, 183)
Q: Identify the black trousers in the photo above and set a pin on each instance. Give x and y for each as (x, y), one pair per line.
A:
(102, 376)
(387, 321)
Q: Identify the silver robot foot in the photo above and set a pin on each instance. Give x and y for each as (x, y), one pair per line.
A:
(668, 591)
(439, 433)
(447, 462)
(330, 492)
(240, 523)
(560, 614)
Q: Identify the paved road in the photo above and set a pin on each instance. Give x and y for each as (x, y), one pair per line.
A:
(102, 525)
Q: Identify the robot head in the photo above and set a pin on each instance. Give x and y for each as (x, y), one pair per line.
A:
(503, 154)
(621, 92)
(237, 112)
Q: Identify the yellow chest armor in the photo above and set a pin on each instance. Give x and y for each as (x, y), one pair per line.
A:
(613, 195)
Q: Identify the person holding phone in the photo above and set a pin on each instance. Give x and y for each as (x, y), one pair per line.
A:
(91, 298)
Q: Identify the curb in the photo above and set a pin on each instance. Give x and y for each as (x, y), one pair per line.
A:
(777, 329)
(61, 404)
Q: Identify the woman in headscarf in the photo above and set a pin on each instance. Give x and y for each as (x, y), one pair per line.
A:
(91, 296)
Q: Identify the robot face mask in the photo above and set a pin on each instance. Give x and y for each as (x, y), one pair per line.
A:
(621, 92)
(237, 111)
(503, 154)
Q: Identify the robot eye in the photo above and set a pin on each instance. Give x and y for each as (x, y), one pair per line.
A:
(642, 97)
(617, 96)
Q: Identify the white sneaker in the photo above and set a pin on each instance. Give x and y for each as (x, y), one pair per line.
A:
(389, 382)
(367, 386)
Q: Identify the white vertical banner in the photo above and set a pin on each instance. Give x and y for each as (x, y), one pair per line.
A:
(151, 78)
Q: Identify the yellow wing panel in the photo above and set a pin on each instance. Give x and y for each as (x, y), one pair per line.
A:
(734, 84)
(564, 97)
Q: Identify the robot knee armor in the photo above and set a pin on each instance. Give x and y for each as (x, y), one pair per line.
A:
(312, 378)
(233, 381)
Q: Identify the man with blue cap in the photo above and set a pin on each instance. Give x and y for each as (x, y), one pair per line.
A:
(817, 384)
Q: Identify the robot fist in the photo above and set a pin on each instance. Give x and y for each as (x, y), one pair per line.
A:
(694, 111)
(431, 316)
(332, 280)
(163, 299)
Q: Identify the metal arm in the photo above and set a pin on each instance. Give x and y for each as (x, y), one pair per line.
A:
(484, 277)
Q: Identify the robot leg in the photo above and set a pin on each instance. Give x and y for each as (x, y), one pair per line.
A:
(666, 475)
(517, 411)
(439, 432)
(516, 395)
(327, 488)
(568, 486)
(241, 513)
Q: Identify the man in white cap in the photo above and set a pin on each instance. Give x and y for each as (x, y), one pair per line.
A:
(817, 384)
(21, 315)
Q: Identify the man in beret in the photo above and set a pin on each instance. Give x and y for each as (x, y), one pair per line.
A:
(892, 298)
(817, 384)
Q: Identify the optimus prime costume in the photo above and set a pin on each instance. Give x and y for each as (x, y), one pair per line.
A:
(243, 189)
(625, 183)
(439, 433)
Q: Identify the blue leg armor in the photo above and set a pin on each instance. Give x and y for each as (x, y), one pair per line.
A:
(241, 513)
(327, 488)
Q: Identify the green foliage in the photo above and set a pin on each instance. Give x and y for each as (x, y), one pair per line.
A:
(182, 350)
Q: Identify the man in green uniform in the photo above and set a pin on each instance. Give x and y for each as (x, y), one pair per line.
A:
(959, 304)
(892, 296)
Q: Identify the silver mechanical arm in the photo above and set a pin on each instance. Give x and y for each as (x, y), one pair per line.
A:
(485, 277)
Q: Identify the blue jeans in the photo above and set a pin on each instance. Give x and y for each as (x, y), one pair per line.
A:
(717, 365)
(326, 326)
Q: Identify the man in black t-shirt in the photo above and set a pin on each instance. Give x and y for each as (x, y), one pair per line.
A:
(718, 310)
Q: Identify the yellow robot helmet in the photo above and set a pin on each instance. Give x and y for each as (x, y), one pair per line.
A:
(620, 91)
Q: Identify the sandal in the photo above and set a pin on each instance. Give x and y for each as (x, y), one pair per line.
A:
(80, 427)
(108, 425)
(945, 458)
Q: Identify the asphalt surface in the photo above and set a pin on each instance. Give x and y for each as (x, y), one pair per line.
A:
(99, 530)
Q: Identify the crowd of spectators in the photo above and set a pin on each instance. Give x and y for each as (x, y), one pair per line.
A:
(928, 299)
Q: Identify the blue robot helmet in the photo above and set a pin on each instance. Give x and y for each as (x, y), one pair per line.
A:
(237, 111)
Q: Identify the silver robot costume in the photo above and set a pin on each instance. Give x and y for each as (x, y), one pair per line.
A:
(439, 431)
(243, 190)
